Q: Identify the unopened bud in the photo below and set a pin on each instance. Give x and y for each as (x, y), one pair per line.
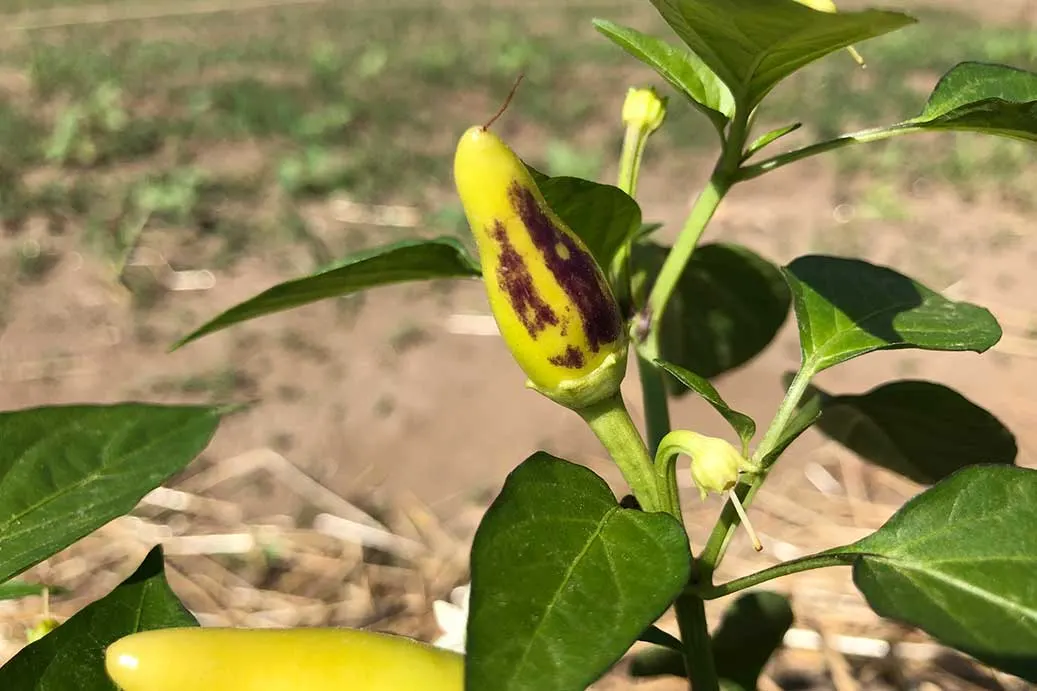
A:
(644, 109)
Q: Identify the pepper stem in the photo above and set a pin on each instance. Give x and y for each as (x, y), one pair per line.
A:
(611, 423)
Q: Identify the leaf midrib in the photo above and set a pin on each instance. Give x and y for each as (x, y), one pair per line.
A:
(561, 586)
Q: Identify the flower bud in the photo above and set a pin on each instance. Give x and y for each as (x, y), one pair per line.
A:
(644, 109)
(715, 463)
(551, 301)
(40, 630)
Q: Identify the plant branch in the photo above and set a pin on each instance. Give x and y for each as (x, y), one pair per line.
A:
(757, 169)
(698, 648)
(808, 563)
(657, 409)
(729, 520)
(611, 424)
(656, 406)
(724, 175)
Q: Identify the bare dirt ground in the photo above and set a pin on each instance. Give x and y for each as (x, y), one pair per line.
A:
(380, 403)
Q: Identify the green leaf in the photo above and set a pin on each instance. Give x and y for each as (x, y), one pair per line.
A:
(848, 307)
(564, 580)
(657, 662)
(958, 561)
(922, 430)
(67, 470)
(645, 230)
(603, 216)
(742, 424)
(769, 138)
(72, 655)
(729, 305)
(982, 97)
(754, 44)
(753, 627)
(407, 260)
(653, 634)
(684, 70)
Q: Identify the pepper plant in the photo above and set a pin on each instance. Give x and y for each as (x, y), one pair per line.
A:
(565, 577)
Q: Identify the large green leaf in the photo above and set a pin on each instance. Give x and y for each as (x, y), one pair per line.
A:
(753, 627)
(958, 561)
(742, 424)
(754, 44)
(729, 305)
(603, 216)
(564, 580)
(67, 470)
(920, 429)
(72, 655)
(995, 99)
(848, 307)
(680, 67)
(407, 260)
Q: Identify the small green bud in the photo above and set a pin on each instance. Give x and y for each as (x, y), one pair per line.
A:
(40, 630)
(644, 109)
(715, 465)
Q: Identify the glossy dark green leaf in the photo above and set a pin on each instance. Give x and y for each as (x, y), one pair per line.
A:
(67, 470)
(645, 230)
(564, 580)
(922, 430)
(769, 138)
(742, 424)
(407, 260)
(753, 628)
(754, 44)
(848, 307)
(958, 561)
(729, 305)
(657, 662)
(653, 634)
(603, 216)
(680, 67)
(72, 655)
(995, 99)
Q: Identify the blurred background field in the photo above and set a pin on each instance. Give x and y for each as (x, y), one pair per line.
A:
(161, 161)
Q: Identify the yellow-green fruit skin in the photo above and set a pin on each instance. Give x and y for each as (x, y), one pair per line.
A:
(223, 659)
(551, 300)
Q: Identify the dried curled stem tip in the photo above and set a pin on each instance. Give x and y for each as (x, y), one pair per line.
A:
(507, 102)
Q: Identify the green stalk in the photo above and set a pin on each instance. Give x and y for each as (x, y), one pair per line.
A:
(729, 520)
(657, 411)
(757, 169)
(680, 254)
(657, 408)
(808, 563)
(689, 607)
(611, 424)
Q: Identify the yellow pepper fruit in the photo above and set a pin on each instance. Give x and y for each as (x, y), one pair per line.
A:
(551, 301)
(224, 659)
